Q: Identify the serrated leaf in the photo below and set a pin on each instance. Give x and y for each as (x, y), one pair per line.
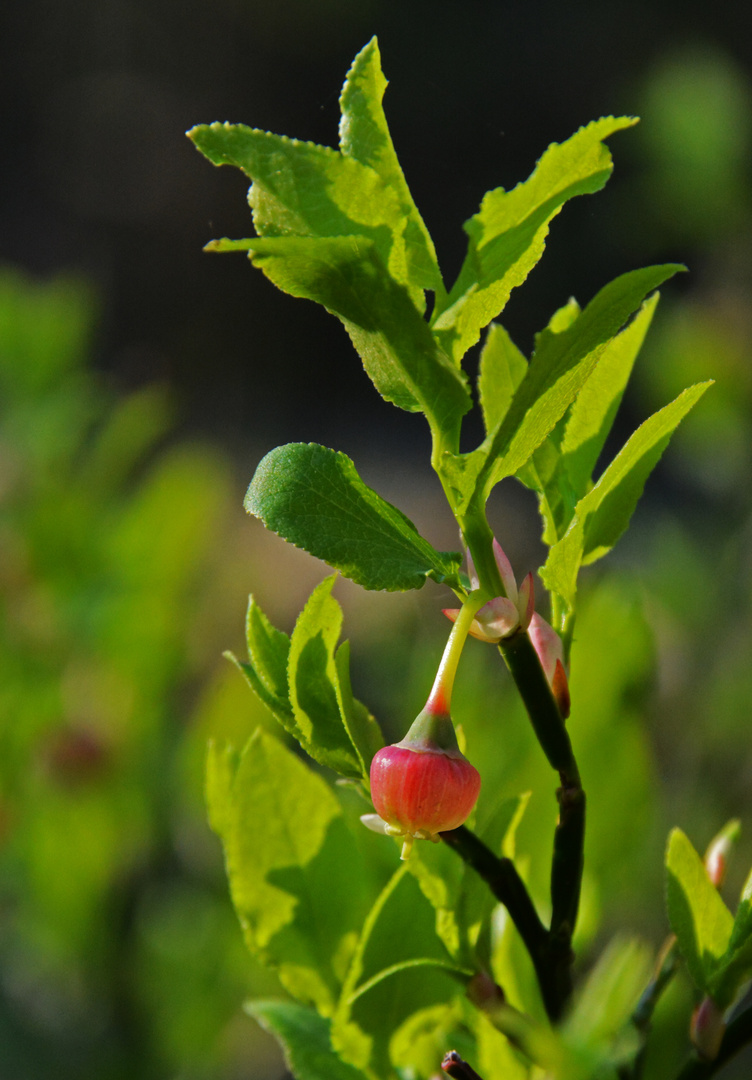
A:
(301, 189)
(604, 513)
(561, 364)
(304, 1038)
(508, 234)
(313, 680)
(594, 408)
(560, 470)
(698, 916)
(396, 970)
(266, 670)
(329, 723)
(286, 844)
(364, 136)
(268, 652)
(502, 369)
(348, 277)
(314, 498)
(305, 190)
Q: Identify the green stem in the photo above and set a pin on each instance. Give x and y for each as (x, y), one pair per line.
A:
(440, 698)
(562, 620)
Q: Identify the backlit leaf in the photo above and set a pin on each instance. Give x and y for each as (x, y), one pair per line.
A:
(698, 916)
(604, 513)
(364, 136)
(400, 967)
(508, 234)
(286, 844)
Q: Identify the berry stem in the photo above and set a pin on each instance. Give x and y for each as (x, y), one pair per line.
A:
(440, 698)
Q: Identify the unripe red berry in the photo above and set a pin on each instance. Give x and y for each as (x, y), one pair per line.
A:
(424, 785)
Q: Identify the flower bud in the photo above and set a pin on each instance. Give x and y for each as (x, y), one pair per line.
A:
(719, 849)
(550, 650)
(424, 785)
(505, 615)
(707, 1029)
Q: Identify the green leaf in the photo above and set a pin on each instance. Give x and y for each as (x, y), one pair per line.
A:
(560, 469)
(314, 683)
(396, 970)
(440, 875)
(268, 652)
(502, 369)
(329, 723)
(497, 1059)
(364, 136)
(605, 1002)
(698, 916)
(563, 360)
(594, 409)
(743, 920)
(419, 1045)
(304, 1037)
(508, 234)
(292, 863)
(299, 188)
(736, 965)
(303, 190)
(545, 473)
(348, 277)
(361, 725)
(604, 513)
(314, 498)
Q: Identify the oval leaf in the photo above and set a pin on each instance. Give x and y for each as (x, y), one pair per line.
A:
(314, 498)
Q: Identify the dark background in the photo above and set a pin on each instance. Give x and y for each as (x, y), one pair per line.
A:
(98, 177)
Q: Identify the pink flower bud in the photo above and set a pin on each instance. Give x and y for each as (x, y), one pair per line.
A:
(707, 1029)
(424, 785)
(550, 650)
(719, 849)
(504, 615)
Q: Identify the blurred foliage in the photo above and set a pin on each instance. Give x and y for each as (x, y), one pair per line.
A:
(119, 952)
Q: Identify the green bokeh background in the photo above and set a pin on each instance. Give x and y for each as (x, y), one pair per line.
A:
(141, 381)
